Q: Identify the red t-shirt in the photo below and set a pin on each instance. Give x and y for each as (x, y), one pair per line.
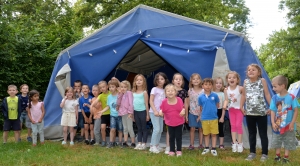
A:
(171, 112)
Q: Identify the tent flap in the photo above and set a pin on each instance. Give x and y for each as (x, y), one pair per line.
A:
(63, 79)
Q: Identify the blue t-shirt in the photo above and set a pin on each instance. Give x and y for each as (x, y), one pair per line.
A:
(112, 103)
(83, 100)
(283, 107)
(139, 102)
(24, 100)
(209, 106)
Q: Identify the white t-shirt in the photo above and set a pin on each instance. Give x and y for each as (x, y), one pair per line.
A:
(159, 96)
(70, 105)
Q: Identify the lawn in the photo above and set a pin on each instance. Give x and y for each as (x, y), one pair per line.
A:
(53, 153)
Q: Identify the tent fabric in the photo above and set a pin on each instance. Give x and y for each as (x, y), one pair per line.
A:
(63, 79)
(148, 40)
(295, 89)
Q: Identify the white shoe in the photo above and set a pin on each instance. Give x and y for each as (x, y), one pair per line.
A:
(150, 149)
(205, 151)
(234, 148)
(159, 148)
(142, 147)
(240, 148)
(155, 150)
(214, 152)
(63, 143)
(167, 150)
(138, 146)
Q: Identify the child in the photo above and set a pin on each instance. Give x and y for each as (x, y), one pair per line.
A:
(115, 120)
(11, 109)
(178, 81)
(95, 110)
(193, 116)
(105, 117)
(24, 115)
(78, 94)
(85, 104)
(36, 112)
(233, 100)
(285, 106)
(209, 102)
(69, 116)
(218, 89)
(256, 91)
(141, 109)
(125, 108)
(173, 111)
(157, 95)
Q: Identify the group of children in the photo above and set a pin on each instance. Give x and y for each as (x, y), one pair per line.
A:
(203, 107)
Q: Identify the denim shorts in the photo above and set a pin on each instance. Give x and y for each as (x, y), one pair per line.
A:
(116, 123)
(25, 119)
(193, 121)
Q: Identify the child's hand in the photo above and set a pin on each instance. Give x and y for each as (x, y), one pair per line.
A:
(275, 127)
(156, 113)
(161, 113)
(186, 119)
(117, 107)
(90, 120)
(291, 127)
(66, 97)
(130, 116)
(268, 112)
(198, 119)
(147, 118)
(40, 121)
(221, 120)
(243, 111)
(182, 113)
(86, 119)
(76, 121)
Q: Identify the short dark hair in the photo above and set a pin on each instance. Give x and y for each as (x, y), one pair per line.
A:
(208, 80)
(78, 81)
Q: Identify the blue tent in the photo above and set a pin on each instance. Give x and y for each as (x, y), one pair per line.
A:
(146, 40)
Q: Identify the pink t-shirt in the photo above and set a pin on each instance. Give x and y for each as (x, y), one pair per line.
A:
(159, 96)
(36, 111)
(171, 112)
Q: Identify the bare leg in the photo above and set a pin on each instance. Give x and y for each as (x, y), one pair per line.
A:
(17, 135)
(112, 135)
(167, 140)
(71, 134)
(286, 152)
(120, 135)
(132, 139)
(92, 131)
(206, 140)
(213, 140)
(200, 136)
(125, 138)
(233, 136)
(192, 135)
(5, 134)
(86, 131)
(240, 138)
(221, 140)
(65, 133)
(29, 132)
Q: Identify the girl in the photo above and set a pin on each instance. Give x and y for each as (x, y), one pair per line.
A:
(125, 108)
(256, 91)
(173, 110)
(69, 116)
(233, 95)
(157, 95)
(36, 115)
(94, 110)
(193, 116)
(178, 81)
(218, 89)
(141, 110)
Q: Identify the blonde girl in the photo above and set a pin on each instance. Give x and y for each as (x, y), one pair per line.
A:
(69, 118)
(141, 109)
(36, 115)
(233, 94)
(256, 91)
(95, 110)
(193, 115)
(218, 89)
(157, 95)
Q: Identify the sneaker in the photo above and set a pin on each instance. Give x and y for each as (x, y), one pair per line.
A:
(240, 147)
(171, 154)
(80, 139)
(214, 152)
(205, 151)
(200, 147)
(234, 148)
(142, 147)
(110, 145)
(222, 147)
(277, 158)
(138, 146)
(251, 156)
(133, 145)
(92, 142)
(87, 142)
(103, 144)
(96, 144)
(71, 143)
(263, 158)
(19, 140)
(150, 149)
(29, 139)
(191, 147)
(63, 143)
(285, 160)
(115, 144)
(125, 145)
(178, 153)
(167, 150)
(160, 149)
(154, 149)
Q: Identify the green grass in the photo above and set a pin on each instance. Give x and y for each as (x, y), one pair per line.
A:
(53, 153)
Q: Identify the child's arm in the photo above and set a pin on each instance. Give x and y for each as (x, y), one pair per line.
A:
(29, 116)
(242, 91)
(187, 101)
(146, 98)
(104, 110)
(186, 105)
(294, 119)
(182, 112)
(161, 113)
(76, 113)
(274, 126)
(152, 105)
(94, 103)
(43, 113)
(221, 120)
(62, 104)
(266, 92)
(226, 99)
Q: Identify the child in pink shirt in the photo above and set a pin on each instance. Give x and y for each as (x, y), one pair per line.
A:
(172, 108)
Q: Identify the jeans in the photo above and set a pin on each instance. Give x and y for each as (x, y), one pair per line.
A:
(175, 134)
(140, 120)
(157, 123)
(97, 127)
(37, 128)
(116, 123)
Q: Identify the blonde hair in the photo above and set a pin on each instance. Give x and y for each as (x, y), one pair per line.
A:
(12, 86)
(95, 86)
(257, 67)
(70, 89)
(182, 86)
(281, 80)
(215, 82)
(170, 86)
(236, 74)
(113, 82)
(102, 82)
(144, 86)
(127, 83)
(23, 86)
(194, 75)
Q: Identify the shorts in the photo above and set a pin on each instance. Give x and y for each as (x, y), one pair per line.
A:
(116, 123)
(210, 127)
(105, 119)
(87, 114)
(288, 139)
(80, 121)
(10, 124)
(25, 119)
(193, 121)
(68, 119)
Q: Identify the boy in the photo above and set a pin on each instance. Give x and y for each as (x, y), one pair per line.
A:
(209, 102)
(284, 132)
(84, 104)
(115, 119)
(105, 117)
(11, 108)
(24, 89)
(78, 94)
